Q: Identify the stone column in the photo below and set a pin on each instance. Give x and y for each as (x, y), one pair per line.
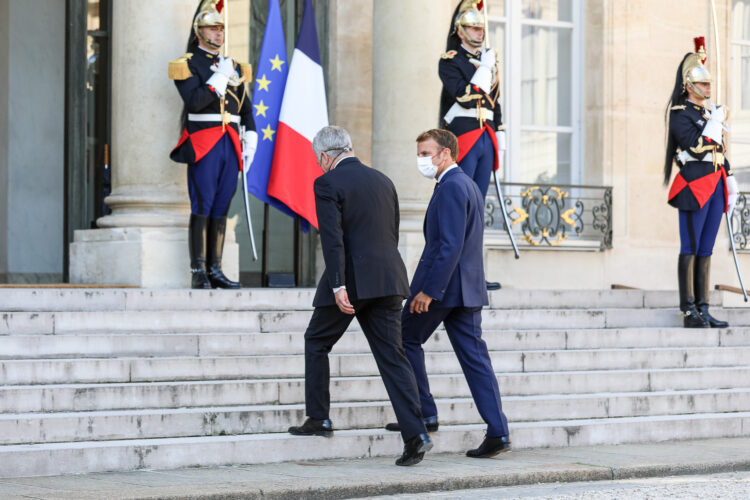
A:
(144, 241)
(408, 38)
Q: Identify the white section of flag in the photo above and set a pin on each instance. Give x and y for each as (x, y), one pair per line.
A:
(304, 107)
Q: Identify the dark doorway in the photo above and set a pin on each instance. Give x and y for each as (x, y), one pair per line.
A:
(87, 115)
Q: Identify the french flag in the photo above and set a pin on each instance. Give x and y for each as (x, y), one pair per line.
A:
(304, 112)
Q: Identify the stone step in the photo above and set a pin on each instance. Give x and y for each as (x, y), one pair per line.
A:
(128, 396)
(234, 344)
(93, 370)
(170, 453)
(165, 321)
(217, 421)
(45, 299)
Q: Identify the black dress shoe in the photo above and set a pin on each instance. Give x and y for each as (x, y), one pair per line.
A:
(490, 447)
(414, 450)
(313, 427)
(712, 322)
(430, 422)
(492, 285)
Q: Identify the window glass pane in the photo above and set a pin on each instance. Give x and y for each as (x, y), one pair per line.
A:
(547, 10)
(496, 7)
(546, 76)
(741, 20)
(545, 157)
(93, 22)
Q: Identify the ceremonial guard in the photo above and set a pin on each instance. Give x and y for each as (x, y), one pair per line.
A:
(218, 137)
(704, 188)
(469, 103)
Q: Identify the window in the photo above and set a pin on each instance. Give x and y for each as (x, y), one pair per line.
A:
(540, 44)
(740, 90)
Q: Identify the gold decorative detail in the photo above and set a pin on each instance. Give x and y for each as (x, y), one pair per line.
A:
(560, 193)
(560, 239)
(239, 103)
(179, 69)
(702, 148)
(522, 215)
(566, 217)
(449, 55)
(527, 193)
(468, 96)
(677, 108)
(247, 71)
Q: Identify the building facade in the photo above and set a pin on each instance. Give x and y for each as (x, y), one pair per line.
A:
(88, 193)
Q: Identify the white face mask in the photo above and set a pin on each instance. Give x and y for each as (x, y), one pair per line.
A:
(425, 166)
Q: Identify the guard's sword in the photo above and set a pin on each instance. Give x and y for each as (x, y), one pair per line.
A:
(244, 173)
(500, 200)
(734, 254)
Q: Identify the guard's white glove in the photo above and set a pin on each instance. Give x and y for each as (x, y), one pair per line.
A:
(483, 75)
(718, 113)
(714, 126)
(225, 66)
(489, 58)
(249, 145)
(219, 82)
(500, 134)
(733, 191)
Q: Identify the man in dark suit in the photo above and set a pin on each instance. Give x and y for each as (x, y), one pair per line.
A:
(448, 287)
(358, 218)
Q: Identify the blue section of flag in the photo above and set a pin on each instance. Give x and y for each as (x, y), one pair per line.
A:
(308, 35)
(268, 91)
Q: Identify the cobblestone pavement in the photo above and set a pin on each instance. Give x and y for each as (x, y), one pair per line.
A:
(726, 486)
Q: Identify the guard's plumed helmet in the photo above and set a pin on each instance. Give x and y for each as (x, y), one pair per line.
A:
(693, 70)
(209, 14)
(470, 13)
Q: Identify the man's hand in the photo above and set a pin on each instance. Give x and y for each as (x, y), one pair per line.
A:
(420, 303)
(733, 191)
(342, 300)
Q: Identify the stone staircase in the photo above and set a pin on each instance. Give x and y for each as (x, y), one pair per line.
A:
(100, 380)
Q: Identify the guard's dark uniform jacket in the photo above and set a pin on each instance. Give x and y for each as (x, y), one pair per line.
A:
(456, 69)
(202, 131)
(697, 179)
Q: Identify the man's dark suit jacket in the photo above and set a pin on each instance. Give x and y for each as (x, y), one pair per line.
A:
(358, 217)
(451, 269)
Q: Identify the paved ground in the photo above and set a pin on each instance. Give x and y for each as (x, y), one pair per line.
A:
(724, 486)
(335, 479)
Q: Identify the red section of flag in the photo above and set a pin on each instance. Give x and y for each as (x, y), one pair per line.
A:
(293, 172)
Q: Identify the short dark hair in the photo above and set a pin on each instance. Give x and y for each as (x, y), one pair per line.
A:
(444, 138)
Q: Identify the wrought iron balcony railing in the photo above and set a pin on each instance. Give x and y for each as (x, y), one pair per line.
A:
(741, 222)
(543, 215)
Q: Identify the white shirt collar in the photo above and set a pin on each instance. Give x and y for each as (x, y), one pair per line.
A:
(446, 171)
(341, 159)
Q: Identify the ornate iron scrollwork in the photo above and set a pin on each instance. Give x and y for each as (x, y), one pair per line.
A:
(546, 215)
(741, 222)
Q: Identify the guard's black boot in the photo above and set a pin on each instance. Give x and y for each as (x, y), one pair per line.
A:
(685, 276)
(197, 245)
(702, 278)
(217, 226)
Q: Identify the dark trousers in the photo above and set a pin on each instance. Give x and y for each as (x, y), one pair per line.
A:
(464, 327)
(479, 162)
(698, 228)
(212, 181)
(380, 320)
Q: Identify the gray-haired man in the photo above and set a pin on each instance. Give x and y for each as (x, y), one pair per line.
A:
(358, 220)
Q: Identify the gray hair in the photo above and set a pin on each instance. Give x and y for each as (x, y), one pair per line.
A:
(331, 140)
